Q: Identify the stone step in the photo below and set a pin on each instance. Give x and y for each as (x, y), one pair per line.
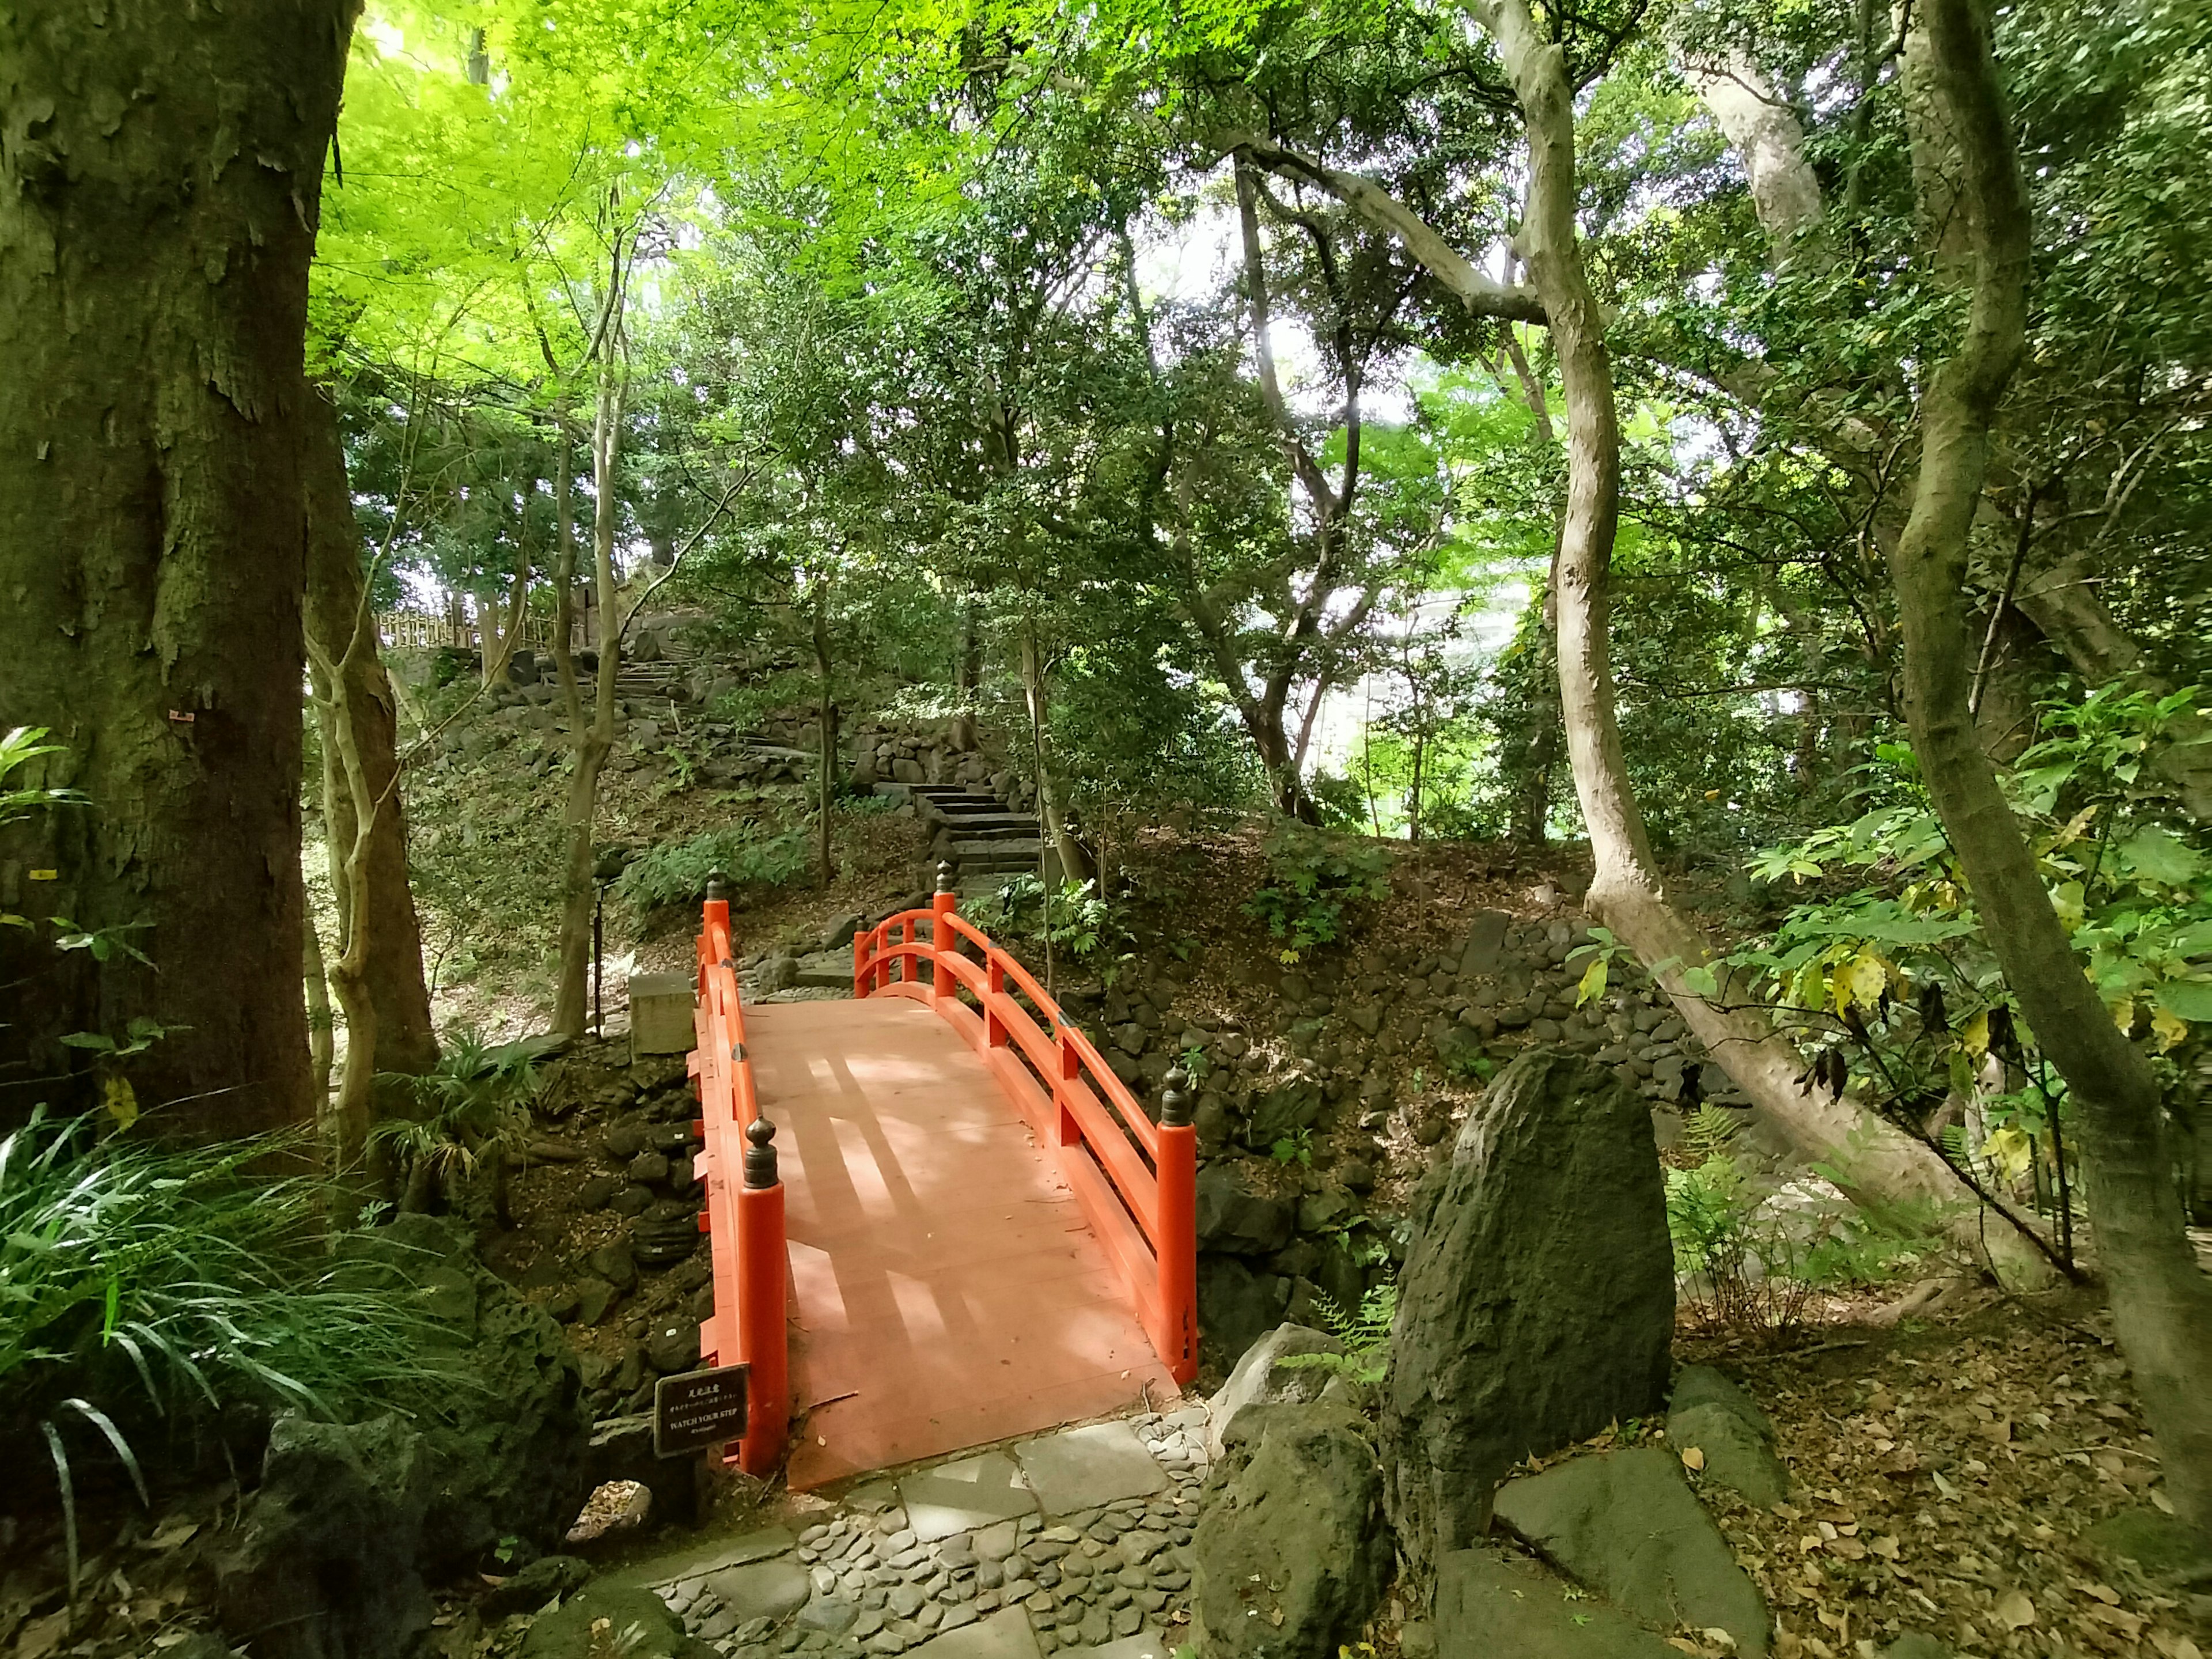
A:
(991, 828)
(1009, 855)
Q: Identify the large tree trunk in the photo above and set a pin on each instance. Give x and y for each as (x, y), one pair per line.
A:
(342, 639)
(160, 178)
(590, 742)
(2161, 1302)
(1874, 1160)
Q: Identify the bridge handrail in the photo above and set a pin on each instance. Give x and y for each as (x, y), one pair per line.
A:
(743, 1219)
(1136, 1179)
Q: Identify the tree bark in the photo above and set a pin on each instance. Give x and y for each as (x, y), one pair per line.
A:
(160, 168)
(2161, 1302)
(1874, 1160)
(342, 630)
(825, 868)
(590, 743)
(1074, 862)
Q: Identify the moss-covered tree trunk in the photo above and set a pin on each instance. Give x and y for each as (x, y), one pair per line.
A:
(161, 166)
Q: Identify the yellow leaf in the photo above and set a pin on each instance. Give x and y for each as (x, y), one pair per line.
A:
(2015, 1610)
(1860, 980)
(2075, 826)
(1592, 984)
(2169, 1028)
(122, 1103)
(1974, 1034)
(2124, 1013)
(2010, 1149)
(1692, 1458)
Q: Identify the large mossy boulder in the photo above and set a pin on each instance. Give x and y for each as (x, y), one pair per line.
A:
(1292, 1551)
(327, 1562)
(351, 1522)
(1537, 1301)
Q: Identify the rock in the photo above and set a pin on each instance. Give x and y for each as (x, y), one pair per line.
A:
(1297, 1537)
(2166, 1547)
(1537, 1301)
(1488, 1606)
(778, 973)
(1720, 1420)
(1626, 1525)
(771, 1590)
(329, 1557)
(1231, 1219)
(548, 1576)
(673, 1347)
(615, 1264)
(631, 1201)
(1484, 953)
(1916, 1645)
(593, 1297)
(1236, 1308)
(649, 1167)
(1261, 1380)
(639, 1626)
(832, 1613)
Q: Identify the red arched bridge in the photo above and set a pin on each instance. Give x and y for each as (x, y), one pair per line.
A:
(939, 1220)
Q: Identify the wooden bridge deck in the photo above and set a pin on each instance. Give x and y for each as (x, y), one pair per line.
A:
(945, 1292)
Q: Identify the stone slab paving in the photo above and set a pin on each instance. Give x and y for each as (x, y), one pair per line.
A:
(958, 1497)
(1076, 1545)
(1088, 1467)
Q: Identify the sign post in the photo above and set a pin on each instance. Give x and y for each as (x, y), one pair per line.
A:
(699, 1409)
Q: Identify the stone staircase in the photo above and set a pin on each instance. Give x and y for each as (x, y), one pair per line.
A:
(986, 841)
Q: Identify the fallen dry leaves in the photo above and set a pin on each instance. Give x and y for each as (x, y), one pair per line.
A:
(1944, 1478)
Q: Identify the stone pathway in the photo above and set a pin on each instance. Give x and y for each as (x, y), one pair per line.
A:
(1077, 1543)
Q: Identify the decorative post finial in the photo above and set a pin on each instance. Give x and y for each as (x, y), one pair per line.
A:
(760, 1153)
(946, 878)
(1175, 1099)
(718, 884)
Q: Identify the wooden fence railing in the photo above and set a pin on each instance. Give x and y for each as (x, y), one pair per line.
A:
(1136, 1181)
(413, 630)
(744, 1217)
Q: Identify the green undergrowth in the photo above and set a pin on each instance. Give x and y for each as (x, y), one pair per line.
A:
(676, 872)
(150, 1295)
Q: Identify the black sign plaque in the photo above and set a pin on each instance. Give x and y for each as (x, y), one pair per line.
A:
(698, 1410)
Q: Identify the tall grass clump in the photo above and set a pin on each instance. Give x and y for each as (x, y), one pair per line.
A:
(677, 872)
(146, 1291)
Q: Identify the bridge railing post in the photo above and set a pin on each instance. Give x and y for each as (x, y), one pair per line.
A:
(995, 1023)
(942, 940)
(1070, 1068)
(861, 978)
(1176, 1171)
(763, 1333)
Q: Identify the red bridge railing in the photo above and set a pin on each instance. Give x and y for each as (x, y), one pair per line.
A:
(744, 1217)
(1136, 1181)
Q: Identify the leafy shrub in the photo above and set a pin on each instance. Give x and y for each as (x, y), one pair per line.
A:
(139, 1283)
(676, 872)
(1312, 877)
(1079, 921)
(473, 1102)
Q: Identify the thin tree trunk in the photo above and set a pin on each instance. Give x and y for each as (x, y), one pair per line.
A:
(1874, 1160)
(2161, 1302)
(591, 742)
(826, 735)
(322, 1037)
(342, 630)
(967, 675)
(1074, 862)
(158, 188)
